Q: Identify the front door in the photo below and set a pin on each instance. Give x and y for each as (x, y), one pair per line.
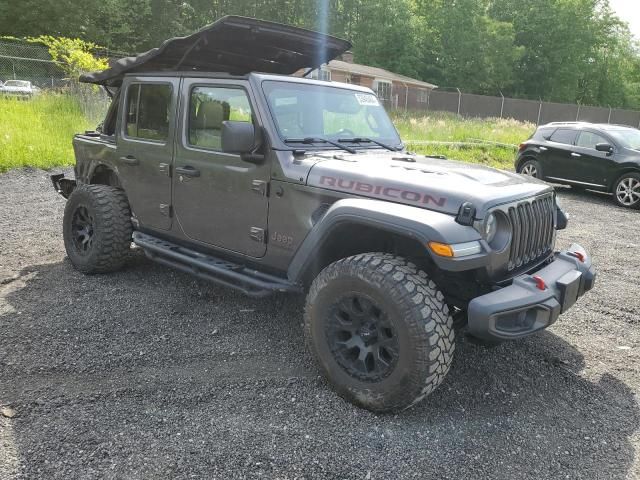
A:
(145, 148)
(218, 198)
(590, 166)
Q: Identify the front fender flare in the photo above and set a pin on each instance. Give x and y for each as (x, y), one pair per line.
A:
(412, 222)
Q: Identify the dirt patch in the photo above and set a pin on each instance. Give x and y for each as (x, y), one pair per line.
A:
(150, 373)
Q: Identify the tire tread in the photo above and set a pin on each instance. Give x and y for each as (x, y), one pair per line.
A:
(112, 213)
(426, 315)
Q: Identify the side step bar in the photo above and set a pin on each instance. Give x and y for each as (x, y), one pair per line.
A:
(250, 282)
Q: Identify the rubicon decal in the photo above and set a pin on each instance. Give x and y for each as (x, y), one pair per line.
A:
(381, 190)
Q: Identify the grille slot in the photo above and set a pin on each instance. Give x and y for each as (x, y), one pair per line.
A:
(533, 236)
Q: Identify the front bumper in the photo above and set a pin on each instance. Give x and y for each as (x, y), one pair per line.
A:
(533, 301)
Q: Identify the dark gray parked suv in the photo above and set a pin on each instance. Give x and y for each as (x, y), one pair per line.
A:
(271, 183)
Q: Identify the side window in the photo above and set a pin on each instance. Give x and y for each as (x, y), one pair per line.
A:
(563, 135)
(383, 89)
(109, 126)
(148, 111)
(209, 107)
(590, 140)
(321, 74)
(542, 133)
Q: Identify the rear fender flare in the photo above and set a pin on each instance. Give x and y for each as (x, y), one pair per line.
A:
(103, 173)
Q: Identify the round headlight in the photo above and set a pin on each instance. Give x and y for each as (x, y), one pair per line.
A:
(490, 228)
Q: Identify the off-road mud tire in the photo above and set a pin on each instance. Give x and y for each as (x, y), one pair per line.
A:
(110, 215)
(420, 317)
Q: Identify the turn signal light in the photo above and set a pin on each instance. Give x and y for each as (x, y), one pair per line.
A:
(441, 249)
(522, 146)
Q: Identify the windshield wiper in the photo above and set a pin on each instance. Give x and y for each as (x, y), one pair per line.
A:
(369, 140)
(310, 140)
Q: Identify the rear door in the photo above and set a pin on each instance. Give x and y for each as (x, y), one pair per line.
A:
(591, 166)
(556, 164)
(145, 147)
(218, 198)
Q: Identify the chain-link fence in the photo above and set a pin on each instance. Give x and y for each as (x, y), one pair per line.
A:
(20, 60)
(26, 61)
(538, 112)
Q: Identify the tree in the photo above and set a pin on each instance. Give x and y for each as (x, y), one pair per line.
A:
(559, 50)
(73, 55)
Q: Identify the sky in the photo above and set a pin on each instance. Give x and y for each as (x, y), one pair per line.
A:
(628, 10)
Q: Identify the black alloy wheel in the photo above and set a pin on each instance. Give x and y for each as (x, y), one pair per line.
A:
(82, 228)
(361, 338)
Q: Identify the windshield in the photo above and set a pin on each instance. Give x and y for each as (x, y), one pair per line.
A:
(628, 138)
(309, 110)
(16, 83)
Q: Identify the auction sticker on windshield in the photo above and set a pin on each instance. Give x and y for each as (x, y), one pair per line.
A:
(367, 99)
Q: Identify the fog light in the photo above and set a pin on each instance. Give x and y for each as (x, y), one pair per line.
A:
(518, 322)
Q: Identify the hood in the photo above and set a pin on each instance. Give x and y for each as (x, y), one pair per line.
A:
(235, 45)
(431, 183)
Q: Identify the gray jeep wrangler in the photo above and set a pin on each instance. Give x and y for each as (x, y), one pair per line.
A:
(266, 182)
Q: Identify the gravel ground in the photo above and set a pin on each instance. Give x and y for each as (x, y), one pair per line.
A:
(149, 373)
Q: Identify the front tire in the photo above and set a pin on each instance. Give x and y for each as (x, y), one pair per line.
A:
(530, 167)
(380, 331)
(97, 228)
(626, 192)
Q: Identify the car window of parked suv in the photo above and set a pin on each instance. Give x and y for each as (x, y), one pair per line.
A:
(542, 133)
(148, 111)
(563, 135)
(628, 137)
(590, 140)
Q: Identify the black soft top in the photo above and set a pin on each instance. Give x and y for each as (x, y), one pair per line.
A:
(236, 45)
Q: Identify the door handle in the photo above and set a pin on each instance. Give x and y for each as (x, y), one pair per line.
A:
(574, 154)
(188, 171)
(130, 160)
(543, 149)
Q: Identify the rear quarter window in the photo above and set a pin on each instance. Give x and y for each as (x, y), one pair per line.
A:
(563, 135)
(542, 134)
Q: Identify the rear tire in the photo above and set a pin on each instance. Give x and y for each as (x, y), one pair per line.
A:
(530, 167)
(626, 190)
(379, 330)
(97, 228)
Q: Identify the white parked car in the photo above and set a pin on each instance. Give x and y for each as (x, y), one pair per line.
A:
(18, 88)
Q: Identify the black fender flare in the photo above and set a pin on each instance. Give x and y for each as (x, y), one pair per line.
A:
(415, 223)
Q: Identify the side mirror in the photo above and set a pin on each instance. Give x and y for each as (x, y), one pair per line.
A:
(604, 147)
(240, 137)
(237, 137)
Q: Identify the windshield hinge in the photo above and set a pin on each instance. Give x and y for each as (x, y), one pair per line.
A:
(260, 187)
(257, 234)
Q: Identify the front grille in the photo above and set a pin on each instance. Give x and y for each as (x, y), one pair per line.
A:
(533, 230)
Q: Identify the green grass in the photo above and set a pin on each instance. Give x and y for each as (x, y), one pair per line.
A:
(445, 127)
(38, 133)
